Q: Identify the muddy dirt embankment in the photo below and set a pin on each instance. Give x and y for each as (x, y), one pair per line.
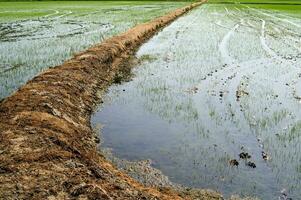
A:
(48, 149)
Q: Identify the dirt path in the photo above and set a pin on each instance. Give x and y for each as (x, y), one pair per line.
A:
(48, 149)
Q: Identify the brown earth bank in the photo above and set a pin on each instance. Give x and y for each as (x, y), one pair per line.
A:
(47, 147)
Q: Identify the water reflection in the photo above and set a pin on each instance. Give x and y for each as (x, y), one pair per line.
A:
(221, 82)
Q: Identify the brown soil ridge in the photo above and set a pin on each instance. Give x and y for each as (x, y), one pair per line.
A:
(47, 146)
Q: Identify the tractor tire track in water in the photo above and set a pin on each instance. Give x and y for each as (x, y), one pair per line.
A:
(233, 73)
(226, 80)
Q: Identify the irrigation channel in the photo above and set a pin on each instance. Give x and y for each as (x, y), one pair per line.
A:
(218, 82)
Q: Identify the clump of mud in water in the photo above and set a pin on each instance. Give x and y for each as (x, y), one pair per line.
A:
(140, 170)
(125, 73)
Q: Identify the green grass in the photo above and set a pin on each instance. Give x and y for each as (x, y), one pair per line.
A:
(288, 6)
(257, 1)
(28, 10)
(292, 9)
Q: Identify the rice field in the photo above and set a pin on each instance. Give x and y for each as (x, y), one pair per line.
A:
(215, 98)
(37, 35)
(215, 101)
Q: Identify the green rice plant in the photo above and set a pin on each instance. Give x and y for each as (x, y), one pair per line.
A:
(37, 35)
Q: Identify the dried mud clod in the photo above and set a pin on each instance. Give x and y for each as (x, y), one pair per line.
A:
(244, 155)
(251, 164)
(48, 149)
(233, 162)
(240, 93)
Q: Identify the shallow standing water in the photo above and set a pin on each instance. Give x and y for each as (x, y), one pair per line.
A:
(37, 35)
(217, 82)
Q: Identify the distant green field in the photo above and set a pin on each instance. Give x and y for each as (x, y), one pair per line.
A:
(258, 1)
(292, 9)
(33, 9)
(289, 6)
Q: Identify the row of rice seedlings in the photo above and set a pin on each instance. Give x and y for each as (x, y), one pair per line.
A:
(29, 45)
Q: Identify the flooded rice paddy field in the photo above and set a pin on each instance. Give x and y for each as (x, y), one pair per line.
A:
(215, 102)
(38, 35)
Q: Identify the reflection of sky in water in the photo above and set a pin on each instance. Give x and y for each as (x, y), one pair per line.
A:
(182, 109)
